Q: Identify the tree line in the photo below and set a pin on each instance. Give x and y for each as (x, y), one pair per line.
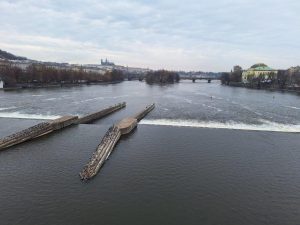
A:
(162, 76)
(40, 73)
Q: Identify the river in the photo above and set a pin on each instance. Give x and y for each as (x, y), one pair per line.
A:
(207, 154)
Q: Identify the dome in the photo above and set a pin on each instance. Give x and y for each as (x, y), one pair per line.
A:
(259, 65)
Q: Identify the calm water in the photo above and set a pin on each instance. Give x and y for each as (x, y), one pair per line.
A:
(207, 154)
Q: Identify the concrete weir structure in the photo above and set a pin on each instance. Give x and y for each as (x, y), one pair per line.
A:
(100, 114)
(109, 141)
(54, 125)
(37, 131)
(63, 122)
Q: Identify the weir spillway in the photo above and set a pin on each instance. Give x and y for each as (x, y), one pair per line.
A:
(44, 128)
(89, 118)
(106, 145)
(110, 139)
(102, 153)
(36, 131)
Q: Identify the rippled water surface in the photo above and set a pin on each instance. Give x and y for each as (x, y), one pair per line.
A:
(178, 167)
(179, 104)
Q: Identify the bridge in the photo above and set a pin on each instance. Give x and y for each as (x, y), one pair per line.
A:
(193, 78)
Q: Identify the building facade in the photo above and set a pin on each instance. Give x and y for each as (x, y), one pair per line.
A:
(259, 71)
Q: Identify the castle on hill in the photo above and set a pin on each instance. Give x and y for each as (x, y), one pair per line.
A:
(106, 63)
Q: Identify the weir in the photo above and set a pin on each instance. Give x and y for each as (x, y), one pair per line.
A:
(44, 128)
(100, 114)
(63, 122)
(25, 135)
(38, 130)
(144, 112)
(103, 151)
(110, 139)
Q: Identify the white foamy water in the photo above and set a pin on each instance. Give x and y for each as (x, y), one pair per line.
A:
(292, 107)
(209, 96)
(50, 99)
(18, 115)
(265, 126)
(120, 96)
(88, 100)
(212, 107)
(8, 108)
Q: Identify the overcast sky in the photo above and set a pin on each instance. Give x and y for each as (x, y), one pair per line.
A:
(209, 35)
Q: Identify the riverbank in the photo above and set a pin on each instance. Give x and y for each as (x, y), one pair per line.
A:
(251, 86)
(61, 85)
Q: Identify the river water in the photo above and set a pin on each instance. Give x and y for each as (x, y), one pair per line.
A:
(207, 154)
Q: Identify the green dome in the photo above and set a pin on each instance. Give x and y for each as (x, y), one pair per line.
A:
(258, 65)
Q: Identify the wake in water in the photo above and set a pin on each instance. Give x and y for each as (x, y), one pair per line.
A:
(265, 126)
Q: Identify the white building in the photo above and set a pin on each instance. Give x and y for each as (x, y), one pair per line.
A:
(258, 70)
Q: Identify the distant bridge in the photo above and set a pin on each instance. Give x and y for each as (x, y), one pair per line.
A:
(209, 79)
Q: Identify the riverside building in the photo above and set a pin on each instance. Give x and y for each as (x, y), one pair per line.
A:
(258, 70)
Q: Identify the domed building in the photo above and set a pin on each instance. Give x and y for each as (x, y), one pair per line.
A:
(258, 70)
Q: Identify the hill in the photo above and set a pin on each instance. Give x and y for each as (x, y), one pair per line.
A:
(9, 56)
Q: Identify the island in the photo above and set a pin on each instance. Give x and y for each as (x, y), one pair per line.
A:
(162, 77)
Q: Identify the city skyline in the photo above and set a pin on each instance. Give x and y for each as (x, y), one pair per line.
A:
(194, 35)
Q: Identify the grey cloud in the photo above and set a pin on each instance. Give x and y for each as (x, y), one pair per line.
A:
(191, 34)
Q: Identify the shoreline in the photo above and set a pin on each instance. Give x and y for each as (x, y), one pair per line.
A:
(57, 85)
(242, 85)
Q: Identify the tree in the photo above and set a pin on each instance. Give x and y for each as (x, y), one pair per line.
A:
(225, 78)
(162, 76)
(236, 75)
(282, 78)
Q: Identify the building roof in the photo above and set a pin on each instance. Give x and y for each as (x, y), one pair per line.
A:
(295, 68)
(261, 67)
